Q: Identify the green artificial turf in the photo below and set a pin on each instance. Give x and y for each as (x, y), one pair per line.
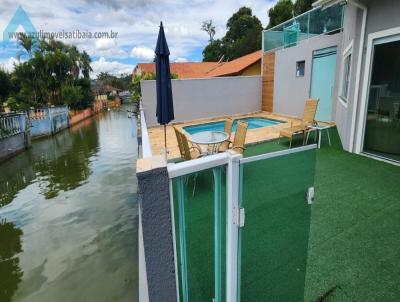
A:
(349, 239)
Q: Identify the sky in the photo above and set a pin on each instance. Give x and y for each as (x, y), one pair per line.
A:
(136, 23)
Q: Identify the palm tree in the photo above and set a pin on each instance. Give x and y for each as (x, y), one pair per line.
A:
(27, 42)
(85, 64)
(75, 57)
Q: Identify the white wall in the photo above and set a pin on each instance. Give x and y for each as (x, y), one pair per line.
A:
(291, 92)
(352, 26)
(206, 98)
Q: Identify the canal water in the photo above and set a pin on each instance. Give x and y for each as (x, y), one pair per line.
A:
(68, 215)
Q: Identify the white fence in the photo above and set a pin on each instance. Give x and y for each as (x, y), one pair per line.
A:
(11, 124)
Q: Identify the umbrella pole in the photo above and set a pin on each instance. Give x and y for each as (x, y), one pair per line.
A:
(165, 137)
(165, 143)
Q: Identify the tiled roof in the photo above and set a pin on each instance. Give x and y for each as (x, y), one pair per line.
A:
(187, 70)
(184, 70)
(236, 66)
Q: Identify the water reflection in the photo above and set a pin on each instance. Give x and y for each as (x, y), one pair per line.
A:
(68, 216)
(10, 272)
(68, 166)
(60, 163)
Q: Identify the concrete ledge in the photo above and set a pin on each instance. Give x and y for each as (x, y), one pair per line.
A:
(156, 220)
(11, 146)
(150, 163)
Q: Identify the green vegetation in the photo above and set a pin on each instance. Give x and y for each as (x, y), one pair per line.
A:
(54, 74)
(5, 85)
(286, 9)
(136, 92)
(302, 6)
(123, 82)
(281, 12)
(243, 36)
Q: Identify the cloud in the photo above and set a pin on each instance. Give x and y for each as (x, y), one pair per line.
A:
(118, 4)
(8, 65)
(112, 67)
(105, 44)
(142, 53)
(137, 23)
(109, 48)
(180, 60)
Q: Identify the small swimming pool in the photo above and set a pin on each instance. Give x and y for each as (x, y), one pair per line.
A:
(253, 123)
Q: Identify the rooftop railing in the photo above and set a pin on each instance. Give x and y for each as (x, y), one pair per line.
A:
(313, 23)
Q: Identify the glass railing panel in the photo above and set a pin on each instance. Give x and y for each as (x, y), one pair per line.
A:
(313, 23)
(326, 20)
(273, 39)
(199, 202)
(273, 243)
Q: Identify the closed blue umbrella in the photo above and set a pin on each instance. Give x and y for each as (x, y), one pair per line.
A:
(165, 106)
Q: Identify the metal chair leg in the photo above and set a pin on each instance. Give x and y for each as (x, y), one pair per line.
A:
(329, 137)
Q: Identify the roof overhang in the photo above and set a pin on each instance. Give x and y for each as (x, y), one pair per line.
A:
(328, 3)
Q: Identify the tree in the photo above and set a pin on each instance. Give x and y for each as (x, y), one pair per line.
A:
(53, 67)
(5, 85)
(86, 91)
(209, 28)
(75, 58)
(213, 52)
(281, 12)
(136, 92)
(72, 96)
(302, 6)
(243, 35)
(85, 64)
(28, 43)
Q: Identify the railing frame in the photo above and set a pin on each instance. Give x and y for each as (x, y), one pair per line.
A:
(233, 162)
(144, 135)
(283, 26)
(11, 124)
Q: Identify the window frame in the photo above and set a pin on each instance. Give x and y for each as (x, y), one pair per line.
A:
(297, 68)
(346, 73)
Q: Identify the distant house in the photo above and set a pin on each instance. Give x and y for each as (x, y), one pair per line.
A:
(247, 65)
(244, 66)
(99, 88)
(184, 70)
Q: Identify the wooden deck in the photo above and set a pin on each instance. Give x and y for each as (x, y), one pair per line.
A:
(253, 136)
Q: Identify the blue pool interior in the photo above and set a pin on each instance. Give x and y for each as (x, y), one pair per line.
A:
(253, 123)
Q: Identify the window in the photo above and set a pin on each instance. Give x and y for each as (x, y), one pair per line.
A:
(346, 78)
(300, 66)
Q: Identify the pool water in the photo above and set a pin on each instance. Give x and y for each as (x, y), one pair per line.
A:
(253, 123)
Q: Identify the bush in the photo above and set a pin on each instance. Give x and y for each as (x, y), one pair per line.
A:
(87, 94)
(72, 96)
(12, 104)
(136, 92)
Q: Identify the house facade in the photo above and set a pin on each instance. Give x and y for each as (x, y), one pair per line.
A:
(346, 54)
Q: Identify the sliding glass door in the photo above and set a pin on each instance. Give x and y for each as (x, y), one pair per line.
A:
(382, 129)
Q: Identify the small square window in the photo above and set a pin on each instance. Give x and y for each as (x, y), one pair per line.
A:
(300, 66)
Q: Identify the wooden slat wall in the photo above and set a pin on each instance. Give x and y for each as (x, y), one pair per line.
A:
(268, 82)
